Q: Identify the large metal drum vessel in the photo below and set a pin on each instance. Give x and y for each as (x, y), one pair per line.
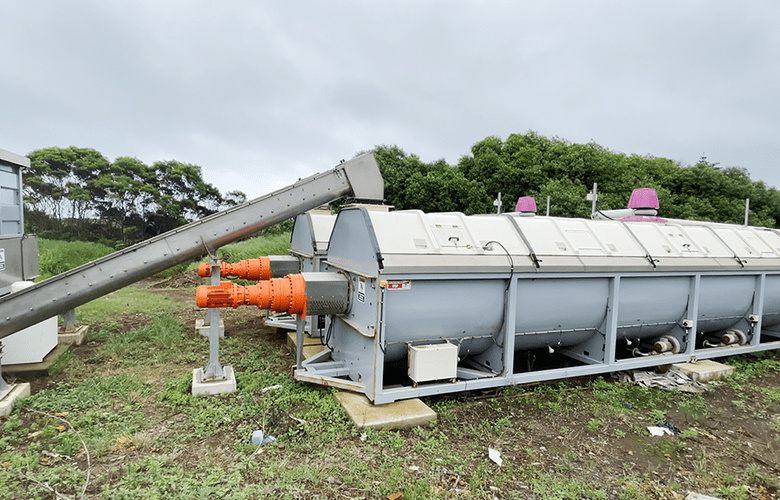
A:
(422, 304)
(466, 302)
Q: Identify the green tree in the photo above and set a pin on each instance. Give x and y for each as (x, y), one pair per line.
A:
(57, 184)
(183, 196)
(123, 195)
(233, 198)
(436, 187)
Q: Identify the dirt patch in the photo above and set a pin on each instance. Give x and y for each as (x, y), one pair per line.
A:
(187, 279)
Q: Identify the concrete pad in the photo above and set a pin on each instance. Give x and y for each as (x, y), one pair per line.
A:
(398, 415)
(17, 391)
(705, 370)
(37, 369)
(205, 330)
(199, 386)
(311, 345)
(75, 337)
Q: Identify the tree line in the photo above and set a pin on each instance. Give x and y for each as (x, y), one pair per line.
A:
(76, 193)
(534, 165)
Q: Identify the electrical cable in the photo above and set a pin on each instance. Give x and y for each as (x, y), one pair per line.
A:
(508, 284)
(605, 215)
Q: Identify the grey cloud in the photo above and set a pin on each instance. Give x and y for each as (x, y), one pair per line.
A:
(260, 94)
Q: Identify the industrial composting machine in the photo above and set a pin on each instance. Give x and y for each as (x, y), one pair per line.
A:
(422, 304)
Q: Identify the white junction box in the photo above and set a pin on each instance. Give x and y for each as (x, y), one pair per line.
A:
(433, 362)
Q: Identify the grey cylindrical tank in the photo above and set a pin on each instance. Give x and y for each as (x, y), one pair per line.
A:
(447, 259)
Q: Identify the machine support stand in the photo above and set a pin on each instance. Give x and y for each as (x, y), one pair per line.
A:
(4, 387)
(300, 328)
(214, 379)
(214, 370)
(69, 321)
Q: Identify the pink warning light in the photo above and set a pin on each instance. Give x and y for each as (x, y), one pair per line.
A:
(644, 198)
(526, 204)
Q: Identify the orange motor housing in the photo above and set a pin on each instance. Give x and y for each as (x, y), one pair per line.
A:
(286, 294)
(250, 269)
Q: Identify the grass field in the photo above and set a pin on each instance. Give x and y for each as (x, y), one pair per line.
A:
(116, 420)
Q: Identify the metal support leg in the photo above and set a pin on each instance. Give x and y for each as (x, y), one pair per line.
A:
(300, 327)
(214, 379)
(69, 321)
(4, 387)
(758, 308)
(213, 370)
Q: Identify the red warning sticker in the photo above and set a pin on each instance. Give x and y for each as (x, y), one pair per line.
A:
(399, 284)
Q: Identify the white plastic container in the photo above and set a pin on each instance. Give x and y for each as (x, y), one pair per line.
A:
(32, 344)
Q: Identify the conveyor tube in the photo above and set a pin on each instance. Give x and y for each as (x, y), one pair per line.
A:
(359, 176)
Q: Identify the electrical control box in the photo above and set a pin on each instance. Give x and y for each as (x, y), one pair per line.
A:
(433, 362)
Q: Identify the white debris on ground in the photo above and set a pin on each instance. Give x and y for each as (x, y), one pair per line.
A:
(672, 380)
(495, 456)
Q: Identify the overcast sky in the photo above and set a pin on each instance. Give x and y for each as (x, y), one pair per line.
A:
(262, 93)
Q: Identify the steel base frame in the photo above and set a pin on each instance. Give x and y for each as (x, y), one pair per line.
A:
(333, 374)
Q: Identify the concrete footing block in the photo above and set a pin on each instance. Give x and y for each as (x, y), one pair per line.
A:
(205, 330)
(311, 345)
(398, 415)
(76, 337)
(19, 390)
(37, 369)
(705, 370)
(200, 386)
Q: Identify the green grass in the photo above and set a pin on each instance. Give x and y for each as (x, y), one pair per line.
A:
(175, 445)
(129, 300)
(56, 256)
(277, 244)
(161, 341)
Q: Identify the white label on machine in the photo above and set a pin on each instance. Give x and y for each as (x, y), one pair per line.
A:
(399, 284)
(362, 290)
(2, 259)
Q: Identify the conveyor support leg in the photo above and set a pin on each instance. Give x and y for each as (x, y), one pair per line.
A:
(4, 387)
(213, 370)
(69, 321)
